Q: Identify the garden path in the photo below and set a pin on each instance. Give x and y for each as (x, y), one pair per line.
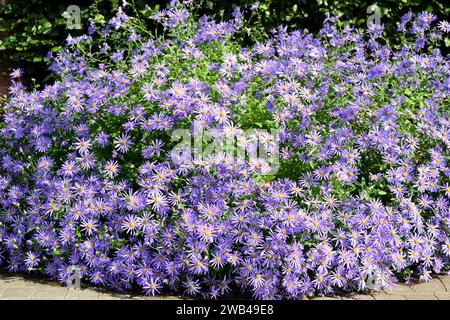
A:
(26, 287)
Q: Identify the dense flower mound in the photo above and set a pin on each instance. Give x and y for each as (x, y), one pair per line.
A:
(359, 193)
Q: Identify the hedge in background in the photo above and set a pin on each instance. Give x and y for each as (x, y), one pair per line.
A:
(33, 28)
(268, 14)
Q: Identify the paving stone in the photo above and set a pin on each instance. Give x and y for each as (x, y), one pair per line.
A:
(83, 294)
(18, 287)
(374, 292)
(400, 289)
(384, 296)
(12, 282)
(433, 286)
(420, 296)
(445, 280)
(363, 297)
(17, 293)
(113, 296)
(49, 293)
(139, 298)
(36, 285)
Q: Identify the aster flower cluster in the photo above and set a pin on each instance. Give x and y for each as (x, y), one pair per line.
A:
(88, 177)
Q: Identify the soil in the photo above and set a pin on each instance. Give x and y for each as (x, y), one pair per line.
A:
(4, 76)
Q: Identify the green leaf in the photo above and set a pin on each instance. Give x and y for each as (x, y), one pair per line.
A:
(447, 41)
(56, 49)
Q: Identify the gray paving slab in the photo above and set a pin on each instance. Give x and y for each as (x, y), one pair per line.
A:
(363, 297)
(431, 287)
(19, 287)
(82, 294)
(421, 296)
(385, 296)
(49, 293)
(17, 293)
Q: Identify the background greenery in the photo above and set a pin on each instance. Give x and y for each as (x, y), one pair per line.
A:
(29, 29)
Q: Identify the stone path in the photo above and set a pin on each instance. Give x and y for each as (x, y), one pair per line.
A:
(24, 287)
(436, 289)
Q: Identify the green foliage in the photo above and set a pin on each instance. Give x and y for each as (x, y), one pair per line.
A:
(32, 28)
(309, 14)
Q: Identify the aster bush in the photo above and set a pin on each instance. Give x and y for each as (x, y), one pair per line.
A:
(358, 193)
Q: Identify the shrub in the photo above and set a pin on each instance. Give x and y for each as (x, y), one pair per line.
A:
(351, 191)
(33, 28)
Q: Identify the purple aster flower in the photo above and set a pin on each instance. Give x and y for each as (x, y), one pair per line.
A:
(123, 143)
